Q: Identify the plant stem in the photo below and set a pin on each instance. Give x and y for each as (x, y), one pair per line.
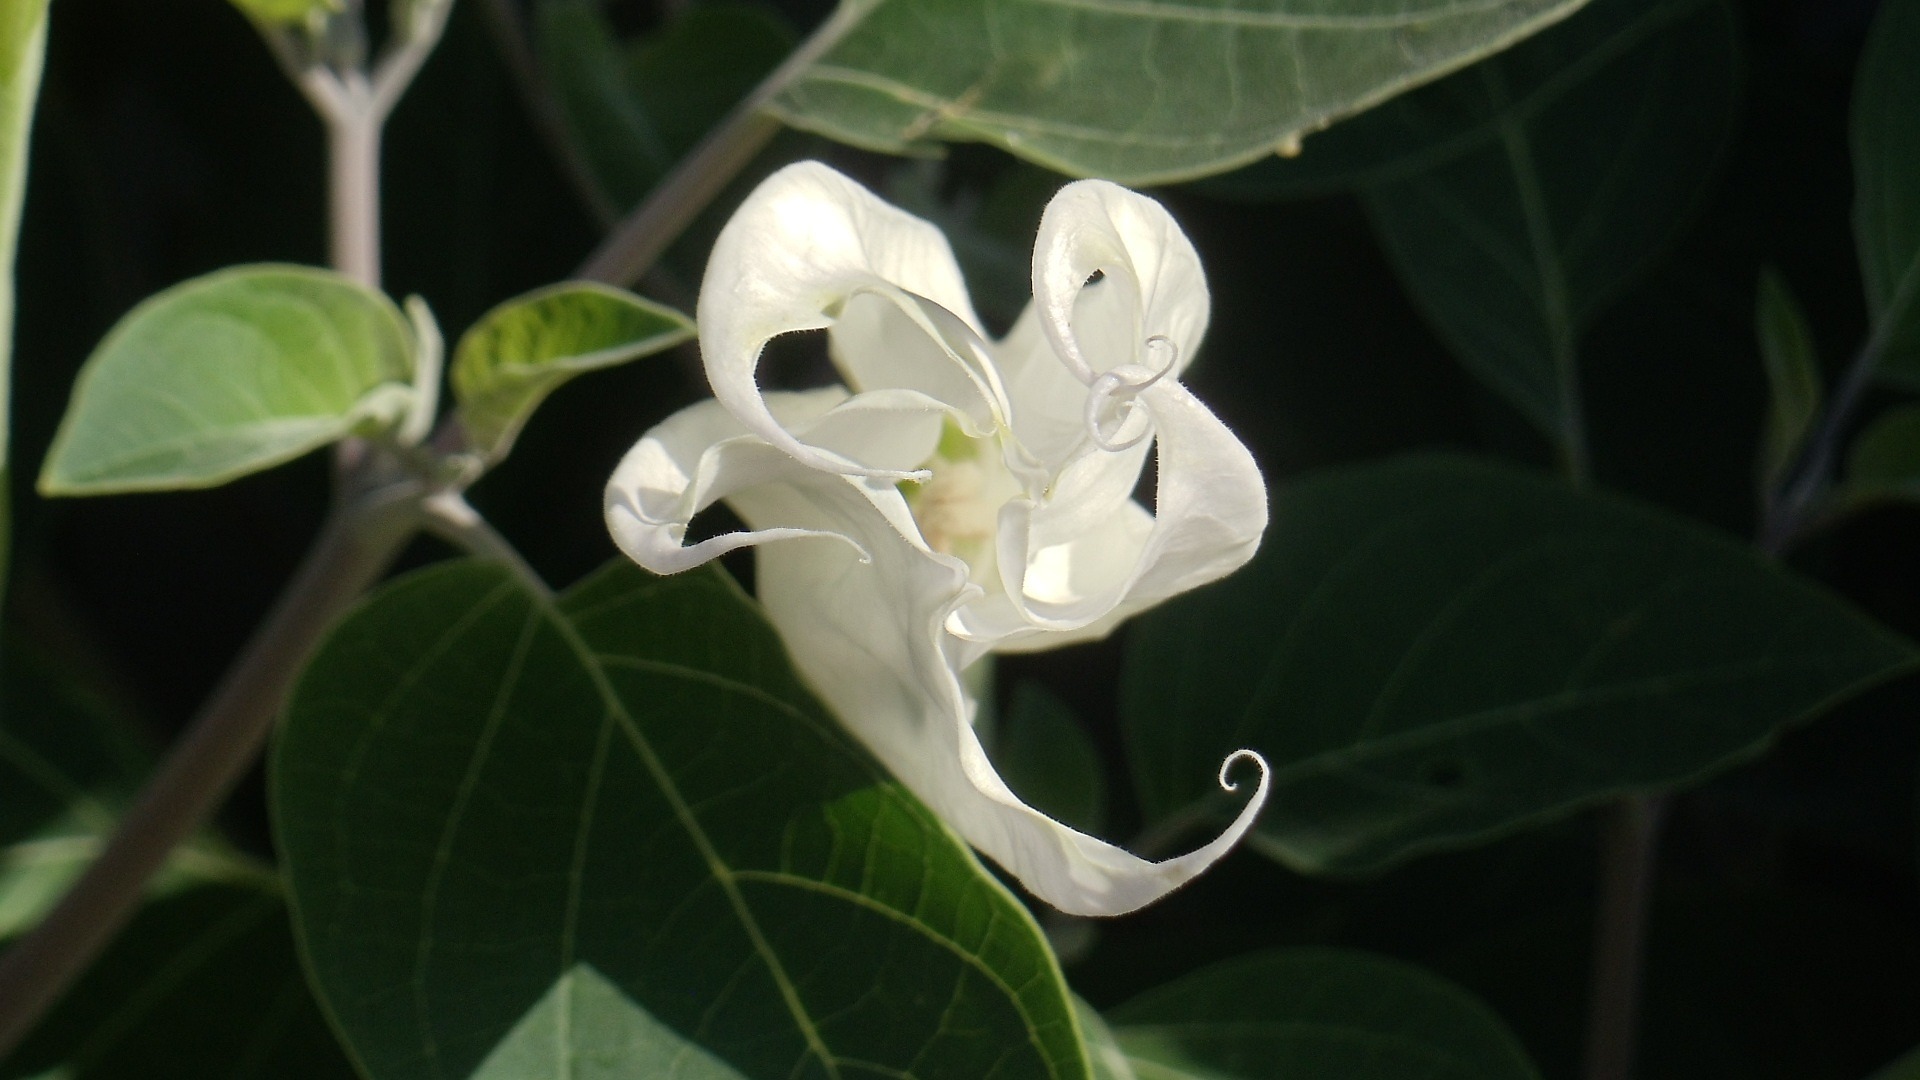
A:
(1628, 842)
(639, 241)
(450, 518)
(359, 540)
(377, 509)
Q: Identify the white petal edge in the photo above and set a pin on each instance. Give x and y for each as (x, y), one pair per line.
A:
(802, 245)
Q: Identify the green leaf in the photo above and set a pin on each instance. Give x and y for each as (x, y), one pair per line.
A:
(287, 11)
(23, 46)
(202, 984)
(1907, 1068)
(1326, 1014)
(1433, 651)
(1793, 377)
(1884, 461)
(1886, 202)
(1104, 1055)
(617, 828)
(228, 374)
(523, 350)
(1136, 91)
(1044, 754)
(1593, 144)
(631, 111)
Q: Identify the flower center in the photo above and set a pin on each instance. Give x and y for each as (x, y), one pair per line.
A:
(958, 507)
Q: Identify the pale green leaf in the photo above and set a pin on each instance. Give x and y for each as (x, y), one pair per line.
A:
(1433, 652)
(1141, 91)
(1325, 1014)
(287, 11)
(1793, 377)
(526, 348)
(616, 826)
(1886, 203)
(1591, 145)
(228, 374)
(23, 42)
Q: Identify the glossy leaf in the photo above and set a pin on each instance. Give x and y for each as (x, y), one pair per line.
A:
(202, 984)
(1045, 756)
(1133, 91)
(1433, 651)
(1592, 145)
(1327, 1014)
(1886, 204)
(228, 374)
(538, 838)
(1793, 377)
(23, 43)
(526, 348)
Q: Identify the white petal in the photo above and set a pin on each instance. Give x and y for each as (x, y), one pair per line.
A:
(703, 454)
(868, 638)
(810, 246)
(1090, 226)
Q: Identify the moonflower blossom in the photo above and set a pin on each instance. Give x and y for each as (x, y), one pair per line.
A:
(956, 496)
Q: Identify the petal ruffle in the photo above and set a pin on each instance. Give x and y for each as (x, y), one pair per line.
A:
(809, 249)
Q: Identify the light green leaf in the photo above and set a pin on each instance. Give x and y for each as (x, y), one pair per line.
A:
(23, 46)
(202, 984)
(1907, 1068)
(1141, 91)
(1045, 756)
(1326, 1014)
(616, 826)
(1433, 652)
(1793, 377)
(229, 374)
(1109, 1062)
(523, 350)
(287, 11)
(1886, 202)
(1593, 143)
(1884, 461)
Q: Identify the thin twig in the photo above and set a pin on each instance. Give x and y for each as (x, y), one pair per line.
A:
(1629, 841)
(360, 539)
(639, 241)
(450, 518)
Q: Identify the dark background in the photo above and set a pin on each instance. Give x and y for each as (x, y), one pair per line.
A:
(1787, 927)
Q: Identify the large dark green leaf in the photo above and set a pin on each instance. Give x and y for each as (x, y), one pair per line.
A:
(229, 374)
(1907, 1068)
(1588, 147)
(23, 41)
(1886, 204)
(533, 839)
(1138, 90)
(203, 985)
(1434, 651)
(1324, 1014)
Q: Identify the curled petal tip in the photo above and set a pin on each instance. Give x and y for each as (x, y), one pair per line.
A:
(1260, 792)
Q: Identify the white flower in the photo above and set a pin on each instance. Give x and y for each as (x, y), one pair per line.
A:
(959, 496)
